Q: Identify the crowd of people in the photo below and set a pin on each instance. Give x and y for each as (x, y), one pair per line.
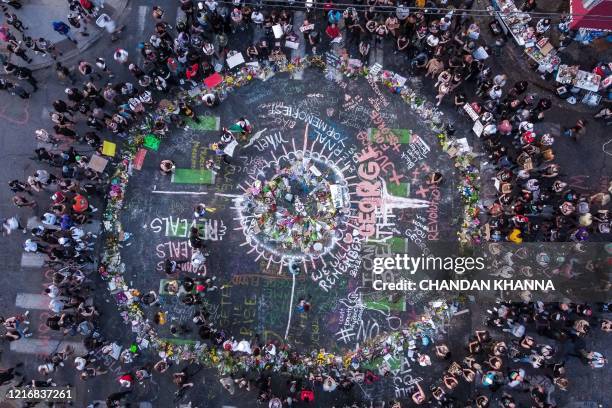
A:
(534, 203)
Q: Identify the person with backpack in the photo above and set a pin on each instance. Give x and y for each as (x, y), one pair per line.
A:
(63, 29)
(87, 6)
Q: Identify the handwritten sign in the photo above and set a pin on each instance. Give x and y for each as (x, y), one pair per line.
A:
(292, 44)
(97, 163)
(139, 158)
(277, 30)
(332, 60)
(235, 60)
(213, 80)
(470, 111)
(478, 128)
(375, 69)
(463, 145)
(400, 80)
(229, 149)
(355, 63)
(307, 27)
(109, 148)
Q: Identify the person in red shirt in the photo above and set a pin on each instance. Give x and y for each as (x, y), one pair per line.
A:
(332, 31)
(126, 380)
(80, 204)
(327, 7)
(192, 72)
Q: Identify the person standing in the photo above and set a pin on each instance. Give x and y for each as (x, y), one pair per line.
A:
(15, 48)
(43, 47)
(75, 21)
(63, 29)
(63, 73)
(11, 224)
(17, 186)
(101, 64)
(121, 56)
(12, 19)
(86, 69)
(21, 201)
(14, 89)
(25, 74)
(158, 14)
(577, 131)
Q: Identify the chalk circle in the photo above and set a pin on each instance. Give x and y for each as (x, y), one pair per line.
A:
(293, 209)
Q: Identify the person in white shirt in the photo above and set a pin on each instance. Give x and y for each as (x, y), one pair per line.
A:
(52, 291)
(30, 246)
(402, 11)
(236, 16)
(49, 219)
(211, 5)
(495, 92)
(79, 363)
(11, 224)
(42, 176)
(257, 18)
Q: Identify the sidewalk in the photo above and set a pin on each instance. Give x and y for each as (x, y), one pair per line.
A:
(38, 16)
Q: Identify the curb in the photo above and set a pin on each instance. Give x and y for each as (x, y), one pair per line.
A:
(84, 45)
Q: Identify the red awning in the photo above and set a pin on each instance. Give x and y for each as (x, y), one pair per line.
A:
(587, 18)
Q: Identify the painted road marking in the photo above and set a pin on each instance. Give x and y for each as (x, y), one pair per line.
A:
(45, 347)
(290, 306)
(32, 301)
(142, 15)
(32, 260)
(232, 196)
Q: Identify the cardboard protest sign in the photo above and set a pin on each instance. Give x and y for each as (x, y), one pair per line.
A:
(213, 80)
(307, 27)
(235, 60)
(109, 148)
(97, 163)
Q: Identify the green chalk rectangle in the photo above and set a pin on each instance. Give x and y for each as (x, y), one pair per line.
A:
(403, 135)
(400, 190)
(206, 123)
(151, 142)
(397, 245)
(384, 305)
(193, 176)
